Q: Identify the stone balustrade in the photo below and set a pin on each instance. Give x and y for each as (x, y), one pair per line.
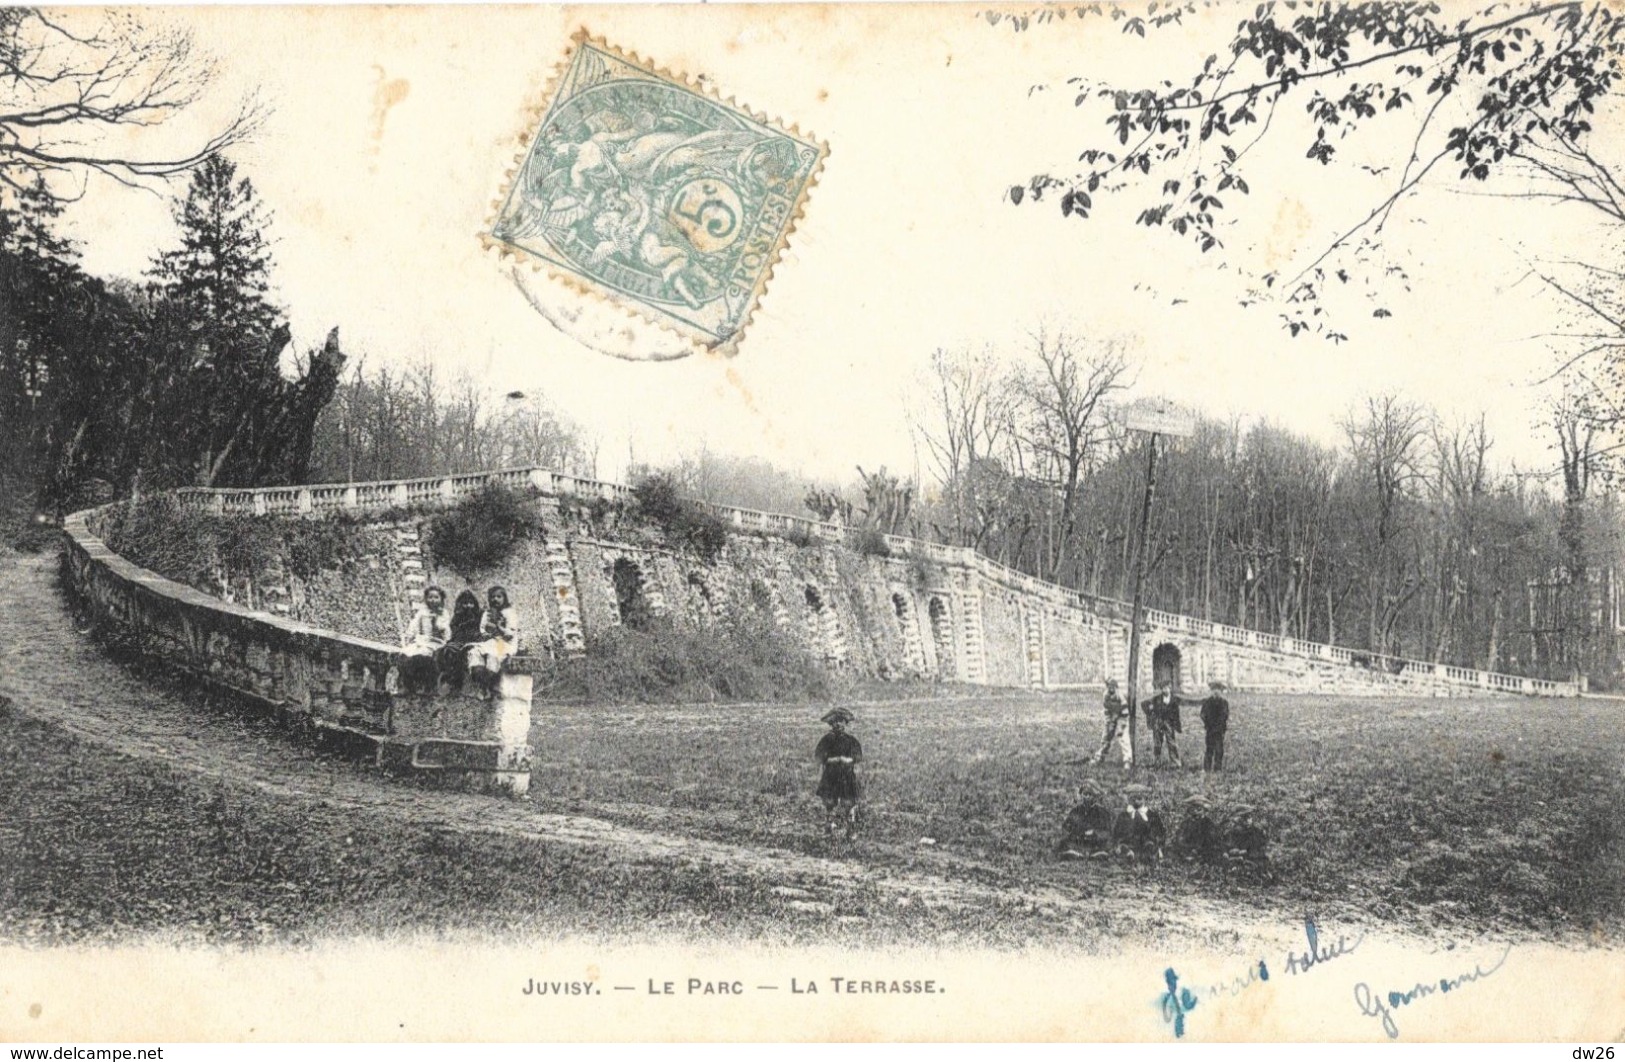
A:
(323, 498)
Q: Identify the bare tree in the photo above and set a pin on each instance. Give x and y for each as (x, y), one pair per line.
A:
(1284, 505)
(1062, 421)
(533, 433)
(965, 424)
(75, 86)
(1577, 432)
(1460, 482)
(384, 425)
(1384, 441)
(1494, 88)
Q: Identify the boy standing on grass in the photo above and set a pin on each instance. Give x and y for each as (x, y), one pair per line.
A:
(1116, 726)
(838, 753)
(1215, 720)
(1162, 716)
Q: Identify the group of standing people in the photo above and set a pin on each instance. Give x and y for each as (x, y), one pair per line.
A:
(470, 641)
(838, 752)
(1161, 711)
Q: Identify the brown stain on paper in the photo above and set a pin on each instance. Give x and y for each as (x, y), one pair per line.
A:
(386, 94)
(733, 377)
(1291, 224)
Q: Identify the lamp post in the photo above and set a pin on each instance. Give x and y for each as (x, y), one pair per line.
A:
(1155, 418)
(515, 405)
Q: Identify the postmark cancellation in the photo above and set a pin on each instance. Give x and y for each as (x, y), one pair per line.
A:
(642, 187)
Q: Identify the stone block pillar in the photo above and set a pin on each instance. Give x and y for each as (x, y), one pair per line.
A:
(512, 726)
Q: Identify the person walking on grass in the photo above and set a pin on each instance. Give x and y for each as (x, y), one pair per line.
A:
(1215, 720)
(838, 755)
(1116, 727)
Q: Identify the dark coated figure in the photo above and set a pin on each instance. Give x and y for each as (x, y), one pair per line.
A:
(1244, 837)
(452, 658)
(1162, 718)
(1088, 826)
(1198, 835)
(838, 755)
(1215, 720)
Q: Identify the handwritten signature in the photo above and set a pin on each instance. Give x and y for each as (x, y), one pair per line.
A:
(1316, 955)
(1176, 1002)
(1373, 1005)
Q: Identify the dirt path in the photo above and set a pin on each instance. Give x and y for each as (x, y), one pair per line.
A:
(52, 673)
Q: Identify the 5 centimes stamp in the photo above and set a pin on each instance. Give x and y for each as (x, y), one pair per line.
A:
(644, 188)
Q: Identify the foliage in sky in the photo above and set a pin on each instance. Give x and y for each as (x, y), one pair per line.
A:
(1504, 90)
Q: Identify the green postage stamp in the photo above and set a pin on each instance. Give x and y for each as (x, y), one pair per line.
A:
(646, 189)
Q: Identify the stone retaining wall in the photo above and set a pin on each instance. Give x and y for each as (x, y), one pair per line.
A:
(322, 682)
(953, 614)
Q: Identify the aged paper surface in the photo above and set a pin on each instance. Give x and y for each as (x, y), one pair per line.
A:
(387, 136)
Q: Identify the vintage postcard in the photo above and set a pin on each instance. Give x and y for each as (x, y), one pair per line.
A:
(812, 522)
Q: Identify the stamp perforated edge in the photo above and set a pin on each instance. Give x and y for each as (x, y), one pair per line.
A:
(536, 112)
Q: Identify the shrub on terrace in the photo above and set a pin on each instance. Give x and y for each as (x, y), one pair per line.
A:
(483, 530)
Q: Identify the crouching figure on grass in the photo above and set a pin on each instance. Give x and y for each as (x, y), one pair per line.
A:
(1087, 831)
(1138, 830)
(838, 754)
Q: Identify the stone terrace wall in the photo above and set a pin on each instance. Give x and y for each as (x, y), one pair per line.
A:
(927, 609)
(318, 680)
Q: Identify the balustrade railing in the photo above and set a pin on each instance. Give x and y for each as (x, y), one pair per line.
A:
(317, 679)
(336, 497)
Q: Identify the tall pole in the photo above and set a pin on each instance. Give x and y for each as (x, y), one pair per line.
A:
(1134, 605)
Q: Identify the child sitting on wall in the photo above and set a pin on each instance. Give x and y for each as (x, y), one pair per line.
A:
(425, 635)
(499, 627)
(452, 658)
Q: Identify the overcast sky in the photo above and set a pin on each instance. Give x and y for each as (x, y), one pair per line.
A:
(389, 132)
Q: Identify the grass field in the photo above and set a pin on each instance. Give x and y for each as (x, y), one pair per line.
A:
(132, 805)
(96, 847)
(1503, 815)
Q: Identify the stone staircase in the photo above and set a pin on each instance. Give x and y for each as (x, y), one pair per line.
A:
(1114, 650)
(1034, 638)
(942, 642)
(913, 647)
(970, 626)
(832, 635)
(833, 630)
(276, 587)
(409, 555)
(781, 575)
